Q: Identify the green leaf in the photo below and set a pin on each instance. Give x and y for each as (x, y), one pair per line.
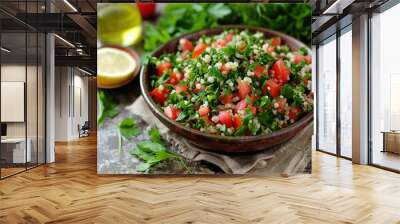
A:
(265, 118)
(265, 102)
(128, 129)
(151, 147)
(162, 79)
(287, 91)
(155, 135)
(303, 51)
(219, 10)
(241, 130)
(253, 127)
(216, 73)
(181, 116)
(141, 154)
(107, 107)
(161, 156)
(143, 167)
(229, 51)
(248, 117)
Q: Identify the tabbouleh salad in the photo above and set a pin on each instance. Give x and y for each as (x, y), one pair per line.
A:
(233, 84)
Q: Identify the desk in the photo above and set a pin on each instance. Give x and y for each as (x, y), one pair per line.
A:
(391, 141)
(18, 151)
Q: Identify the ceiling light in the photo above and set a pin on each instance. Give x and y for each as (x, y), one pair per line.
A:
(84, 71)
(70, 5)
(337, 7)
(64, 40)
(333, 6)
(5, 49)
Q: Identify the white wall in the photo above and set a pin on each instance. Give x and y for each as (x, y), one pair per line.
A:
(70, 83)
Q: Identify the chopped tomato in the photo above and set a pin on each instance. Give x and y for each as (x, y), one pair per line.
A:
(159, 95)
(253, 98)
(308, 59)
(229, 37)
(253, 109)
(206, 118)
(305, 81)
(272, 87)
(294, 113)
(280, 71)
(171, 112)
(186, 44)
(280, 104)
(241, 105)
(237, 121)
(147, 10)
(276, 41)
(270, 49)
(244, 89)
(221, 43)
(181, 88)
(224, 69)
(300, 58)
(204, 110)
(259, 71)
(198, 50)
(175, 78)
(163, 67)
(226, 99)
(225, 118)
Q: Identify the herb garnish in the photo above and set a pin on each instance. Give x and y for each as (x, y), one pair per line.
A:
(107, 107)
(154, 152)
(126, 129)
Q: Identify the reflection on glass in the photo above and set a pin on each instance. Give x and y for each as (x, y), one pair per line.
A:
(14, 153)
(327, 96)
(346, 94)
(385, 82)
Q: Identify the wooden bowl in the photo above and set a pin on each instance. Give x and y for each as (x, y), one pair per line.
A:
(217, 143)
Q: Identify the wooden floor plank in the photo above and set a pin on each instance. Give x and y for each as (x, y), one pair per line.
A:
(70, 191)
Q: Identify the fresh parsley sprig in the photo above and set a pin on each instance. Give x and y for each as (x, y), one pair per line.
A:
(107, 107)
(154, 152)
(126, 129)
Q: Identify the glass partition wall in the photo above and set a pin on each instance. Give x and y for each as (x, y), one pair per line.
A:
(22, 77)
(385, 90)
(346, 95)
(334, 94)
(327, 95)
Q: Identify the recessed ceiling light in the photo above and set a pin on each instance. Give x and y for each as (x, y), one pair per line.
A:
(5, 49)
(84, 71)
(64, 40)
(70, 5)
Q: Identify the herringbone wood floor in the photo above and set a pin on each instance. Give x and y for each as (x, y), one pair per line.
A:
(70, 191)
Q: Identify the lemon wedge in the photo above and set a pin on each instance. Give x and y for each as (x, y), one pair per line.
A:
(115, 67)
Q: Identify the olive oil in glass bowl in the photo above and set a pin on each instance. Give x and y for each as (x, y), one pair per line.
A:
(119, 24)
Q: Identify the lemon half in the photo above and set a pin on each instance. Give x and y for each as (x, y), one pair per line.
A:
(115, 67)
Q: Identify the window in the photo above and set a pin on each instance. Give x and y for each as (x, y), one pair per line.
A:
(385, 89)
(346, 92)
(327, 96)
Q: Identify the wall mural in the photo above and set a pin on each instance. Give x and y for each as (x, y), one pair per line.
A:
(204, 89)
